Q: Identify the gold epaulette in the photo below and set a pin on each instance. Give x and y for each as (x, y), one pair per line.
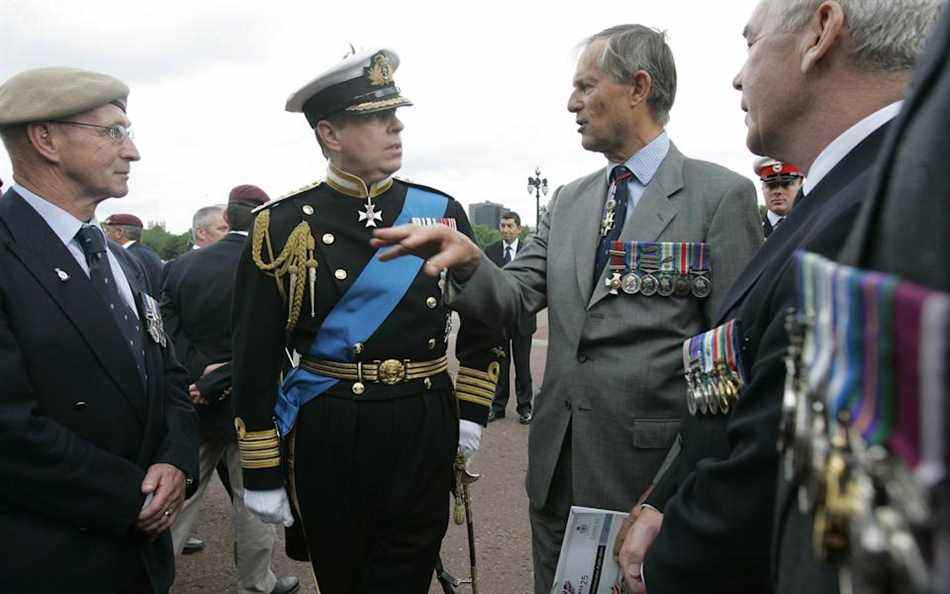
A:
(277, 201)
(259, 449)
(297, 259)
(475, 386)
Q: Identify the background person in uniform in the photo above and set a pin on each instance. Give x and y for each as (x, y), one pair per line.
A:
(780, 185)
(518, 344)
(98, 438)
(820, 84)
(126, 230)
(196, 304)
(612, 399)
(208, 225)
(374, 417)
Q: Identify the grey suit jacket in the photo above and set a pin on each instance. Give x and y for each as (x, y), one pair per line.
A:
(614, 368)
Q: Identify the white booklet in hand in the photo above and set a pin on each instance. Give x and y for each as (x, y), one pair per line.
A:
(586, 564)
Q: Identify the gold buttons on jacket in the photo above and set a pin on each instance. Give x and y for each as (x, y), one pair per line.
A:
(428, 383)
(340, 274)
(431, 344)
(328, 238)
(358, 348)
(358, 388)
(307, 209)
(431, 302)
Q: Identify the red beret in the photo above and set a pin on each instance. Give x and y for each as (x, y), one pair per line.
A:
(125, 219)
(248, 194)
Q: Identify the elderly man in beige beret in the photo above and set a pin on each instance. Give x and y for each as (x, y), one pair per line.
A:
(99, 440)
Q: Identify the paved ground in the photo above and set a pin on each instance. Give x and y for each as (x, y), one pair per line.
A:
(503, 535)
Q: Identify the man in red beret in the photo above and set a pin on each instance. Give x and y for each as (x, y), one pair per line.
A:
(780, 185)
(126, 230)
(196, 305)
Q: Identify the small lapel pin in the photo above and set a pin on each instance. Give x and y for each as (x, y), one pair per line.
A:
(62, 275)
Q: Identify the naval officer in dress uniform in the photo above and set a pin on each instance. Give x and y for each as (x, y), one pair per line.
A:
(370, 420)
(98, 440)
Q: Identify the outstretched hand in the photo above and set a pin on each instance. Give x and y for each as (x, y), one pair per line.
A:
(440, 247)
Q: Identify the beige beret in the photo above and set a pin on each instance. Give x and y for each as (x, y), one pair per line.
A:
(44, 94)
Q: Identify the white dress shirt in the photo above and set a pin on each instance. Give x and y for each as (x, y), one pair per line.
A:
(65, 226)
(844, 144)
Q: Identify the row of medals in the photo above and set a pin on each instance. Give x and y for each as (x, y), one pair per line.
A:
(711, 392)
(649, 280)
(866, 504)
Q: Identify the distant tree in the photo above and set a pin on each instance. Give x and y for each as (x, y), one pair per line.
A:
(485, 235)
(168, 245)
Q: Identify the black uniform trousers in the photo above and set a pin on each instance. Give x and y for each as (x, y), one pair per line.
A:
(517, 351)
(372, 480)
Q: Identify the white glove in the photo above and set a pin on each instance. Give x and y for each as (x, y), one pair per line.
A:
(470, 435)
(270, 507)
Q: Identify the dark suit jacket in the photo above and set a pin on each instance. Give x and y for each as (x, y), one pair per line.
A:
(527, 324)
(152, 264)
(718, 497)
(196, 305)
(78, 429)
(907, 200)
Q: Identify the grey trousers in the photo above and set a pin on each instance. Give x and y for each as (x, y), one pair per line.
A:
(253, 539)
(548, 522)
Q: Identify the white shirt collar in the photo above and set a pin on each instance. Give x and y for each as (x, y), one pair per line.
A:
(513, 244)
(244, 233)
(128, 243)
(844, 144)
(773, 218)
(63, 224)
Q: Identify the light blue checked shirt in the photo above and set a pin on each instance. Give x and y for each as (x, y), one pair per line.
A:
(644, 165)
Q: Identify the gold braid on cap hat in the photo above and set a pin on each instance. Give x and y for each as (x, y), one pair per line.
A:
(296, 259)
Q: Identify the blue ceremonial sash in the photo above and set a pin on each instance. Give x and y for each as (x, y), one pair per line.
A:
(358, 314)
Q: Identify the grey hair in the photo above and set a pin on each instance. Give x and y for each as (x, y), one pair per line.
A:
(887, 35)
(631, 48)
(204, 217)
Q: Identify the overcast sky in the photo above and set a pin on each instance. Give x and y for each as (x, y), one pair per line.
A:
(490, 82)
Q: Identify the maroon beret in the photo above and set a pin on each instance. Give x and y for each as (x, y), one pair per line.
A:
(125, 219)
(249, 195)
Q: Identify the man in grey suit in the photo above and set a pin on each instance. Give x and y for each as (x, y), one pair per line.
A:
(613, 393)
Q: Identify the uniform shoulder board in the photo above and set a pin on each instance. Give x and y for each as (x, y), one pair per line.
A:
(420, 186)
(296, 192)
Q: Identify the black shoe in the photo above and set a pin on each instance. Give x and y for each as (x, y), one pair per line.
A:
(525, 417)
(193, 545)
(286, 585)
(494, 416)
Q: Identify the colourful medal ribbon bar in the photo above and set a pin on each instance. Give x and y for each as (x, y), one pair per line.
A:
(696, 355)
(732, 348)
(844, 346)
(617, 253)
(683, 261)
(908, 309)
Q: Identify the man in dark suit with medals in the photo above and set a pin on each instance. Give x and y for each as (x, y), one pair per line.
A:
(370, 421)
(126, 230)
(196, 303)
(518, 344)
(98, 438)
(711, 512)
(899, 208)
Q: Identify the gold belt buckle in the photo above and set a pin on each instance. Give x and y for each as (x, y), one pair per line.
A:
(391, 371)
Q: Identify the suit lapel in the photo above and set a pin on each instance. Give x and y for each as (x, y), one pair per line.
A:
(586, 208)
(653, 212)
(45, 256)
(787, 236)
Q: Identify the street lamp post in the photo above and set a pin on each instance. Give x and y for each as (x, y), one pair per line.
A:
(537, 185)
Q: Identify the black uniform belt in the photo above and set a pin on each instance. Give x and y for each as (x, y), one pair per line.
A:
(388, 371)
